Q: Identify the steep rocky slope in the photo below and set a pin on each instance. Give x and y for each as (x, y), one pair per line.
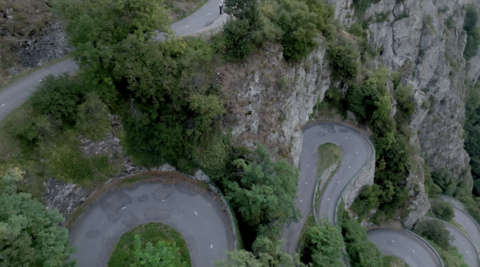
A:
(269, 100)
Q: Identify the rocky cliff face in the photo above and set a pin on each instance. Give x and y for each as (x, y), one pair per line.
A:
(29, 36)
(430, 35)
(268, 100)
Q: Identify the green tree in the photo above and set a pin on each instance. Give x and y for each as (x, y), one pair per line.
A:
(435, 231)
(59, 98)
(364, 254)
(239, 258)
(161, 255)
(299, 27)
(473, 32)
(265, 190)
(324, 245)
(442, 210)
(29, 233)
(269, 252)
(343, 60)
(92, 117)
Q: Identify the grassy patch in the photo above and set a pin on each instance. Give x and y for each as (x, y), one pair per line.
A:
(122, 254)
(327, 155)
(392, 261)
(309, 222)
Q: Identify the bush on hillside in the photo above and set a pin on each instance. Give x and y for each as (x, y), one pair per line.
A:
(92, 120)
(442, 210)
(59, 97)
(343, 60)
(435, 231)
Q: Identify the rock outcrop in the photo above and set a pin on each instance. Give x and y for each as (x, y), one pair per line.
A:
(268, 100)
(430, 35)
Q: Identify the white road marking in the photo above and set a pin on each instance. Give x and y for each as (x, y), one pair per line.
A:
(305, 182)
(123, 208)
(467, 251)
(328, 199)
(211, 246)
(209, 13)
(338, 182)
(357, 152)
(413, 251)
(308, 165)
(186, 26)
(301, 200)
(310, 137)
(163, 199)
(209, 204)
(40, 80)
(305, 149)
(349, 167)
(393, 241)
(346, 137)
(4, 104)
(467, 223)
(195, 213)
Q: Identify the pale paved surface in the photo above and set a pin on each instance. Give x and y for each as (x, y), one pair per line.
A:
(19, 92)
(206, 232)
(465, 220)
(356, 153)
(464, 245)
(405, 246)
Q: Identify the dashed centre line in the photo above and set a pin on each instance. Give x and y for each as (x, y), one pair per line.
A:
(3, 104)
(211, 246)
(196, 213)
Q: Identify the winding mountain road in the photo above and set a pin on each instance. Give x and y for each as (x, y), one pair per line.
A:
(17, 93)
(357, 151)
(197, 216)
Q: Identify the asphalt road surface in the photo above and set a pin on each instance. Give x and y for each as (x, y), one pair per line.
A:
(465, 220)
(19, 92)
(196, 216)
(404, 245)
(357, 151)
(464, 245)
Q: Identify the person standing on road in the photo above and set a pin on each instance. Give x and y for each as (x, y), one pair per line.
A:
(221, 6)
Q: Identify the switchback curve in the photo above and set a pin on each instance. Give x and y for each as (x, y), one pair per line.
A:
(356, 151)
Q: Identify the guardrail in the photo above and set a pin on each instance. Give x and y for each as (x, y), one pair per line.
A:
(465, 211)
(369, 161)
(229, 210)
(428, 244)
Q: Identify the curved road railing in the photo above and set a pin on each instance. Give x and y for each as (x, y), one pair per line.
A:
(229, 211)
(471, 261)
(428, 244)
(369, 161)
(434, 257)
(470, 236)
(314, 205)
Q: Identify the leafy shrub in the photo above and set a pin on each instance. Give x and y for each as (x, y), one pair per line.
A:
(343, 62)
(446, 181)
(367, 200)
(263, 184)
(92, 117)
(30, 234)
(435, 231)
(324, 245)
(298, 25)
(473, 32)
(442, 210)
(59, 97)
(362, 253)
(212, 159)
(239, 39)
